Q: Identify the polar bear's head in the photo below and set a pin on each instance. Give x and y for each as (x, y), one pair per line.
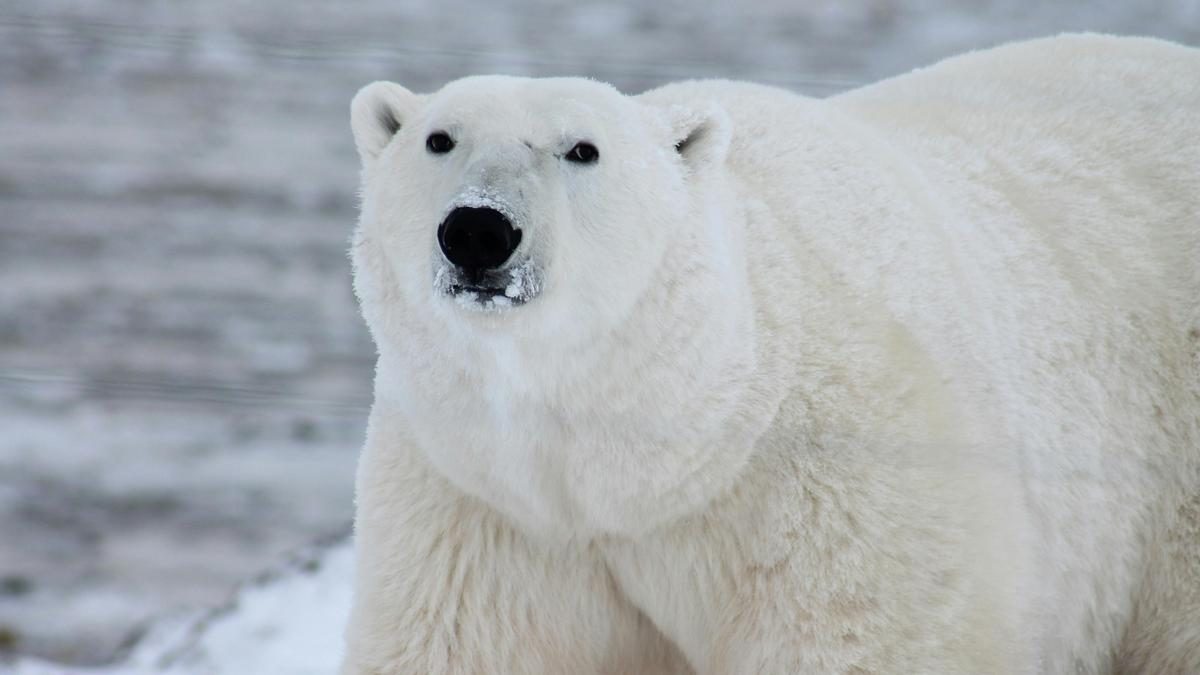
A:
(538, 205)
(549, 261)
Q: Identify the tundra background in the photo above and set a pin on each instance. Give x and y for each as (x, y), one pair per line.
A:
(184, 376)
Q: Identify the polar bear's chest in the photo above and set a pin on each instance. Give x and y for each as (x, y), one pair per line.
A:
(499, 448)
(574, 464)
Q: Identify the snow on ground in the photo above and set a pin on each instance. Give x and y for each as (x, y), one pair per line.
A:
(287, 624)
(184, 376)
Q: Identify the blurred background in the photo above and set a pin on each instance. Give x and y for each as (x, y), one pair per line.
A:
(184, 377)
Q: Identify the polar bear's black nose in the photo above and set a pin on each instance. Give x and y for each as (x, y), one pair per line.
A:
(477, 239)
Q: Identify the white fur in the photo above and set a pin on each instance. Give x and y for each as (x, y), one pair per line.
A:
(902, 381)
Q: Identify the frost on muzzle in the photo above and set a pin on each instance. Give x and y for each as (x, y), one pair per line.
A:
(480, 266)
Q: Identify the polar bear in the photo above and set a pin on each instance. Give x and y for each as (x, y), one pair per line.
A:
(720, 379)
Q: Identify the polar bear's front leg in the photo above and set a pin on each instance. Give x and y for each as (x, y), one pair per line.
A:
(445, 585)
(829, 564)
(878, 569)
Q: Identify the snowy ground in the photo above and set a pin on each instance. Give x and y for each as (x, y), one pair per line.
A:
(183, 374)
(248, 634)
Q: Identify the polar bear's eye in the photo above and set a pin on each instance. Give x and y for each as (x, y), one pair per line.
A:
(583, 153)
(439, 143)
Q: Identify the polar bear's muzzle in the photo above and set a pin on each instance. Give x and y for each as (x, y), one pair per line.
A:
(477, 245)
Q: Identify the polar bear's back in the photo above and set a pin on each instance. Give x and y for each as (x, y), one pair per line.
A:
(1068, 169)
(1091, 142)
(1062, 174)
(1059, 177)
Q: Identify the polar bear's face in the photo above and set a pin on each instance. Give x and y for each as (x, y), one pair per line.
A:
(538, 206)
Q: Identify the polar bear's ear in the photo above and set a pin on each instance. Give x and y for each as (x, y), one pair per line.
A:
(700, 134)
(377, 113)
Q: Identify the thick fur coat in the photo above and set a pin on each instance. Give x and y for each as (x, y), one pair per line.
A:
(906, 380)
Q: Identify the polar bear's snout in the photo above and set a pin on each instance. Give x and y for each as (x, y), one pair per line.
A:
(477, 240)
(482, 266)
